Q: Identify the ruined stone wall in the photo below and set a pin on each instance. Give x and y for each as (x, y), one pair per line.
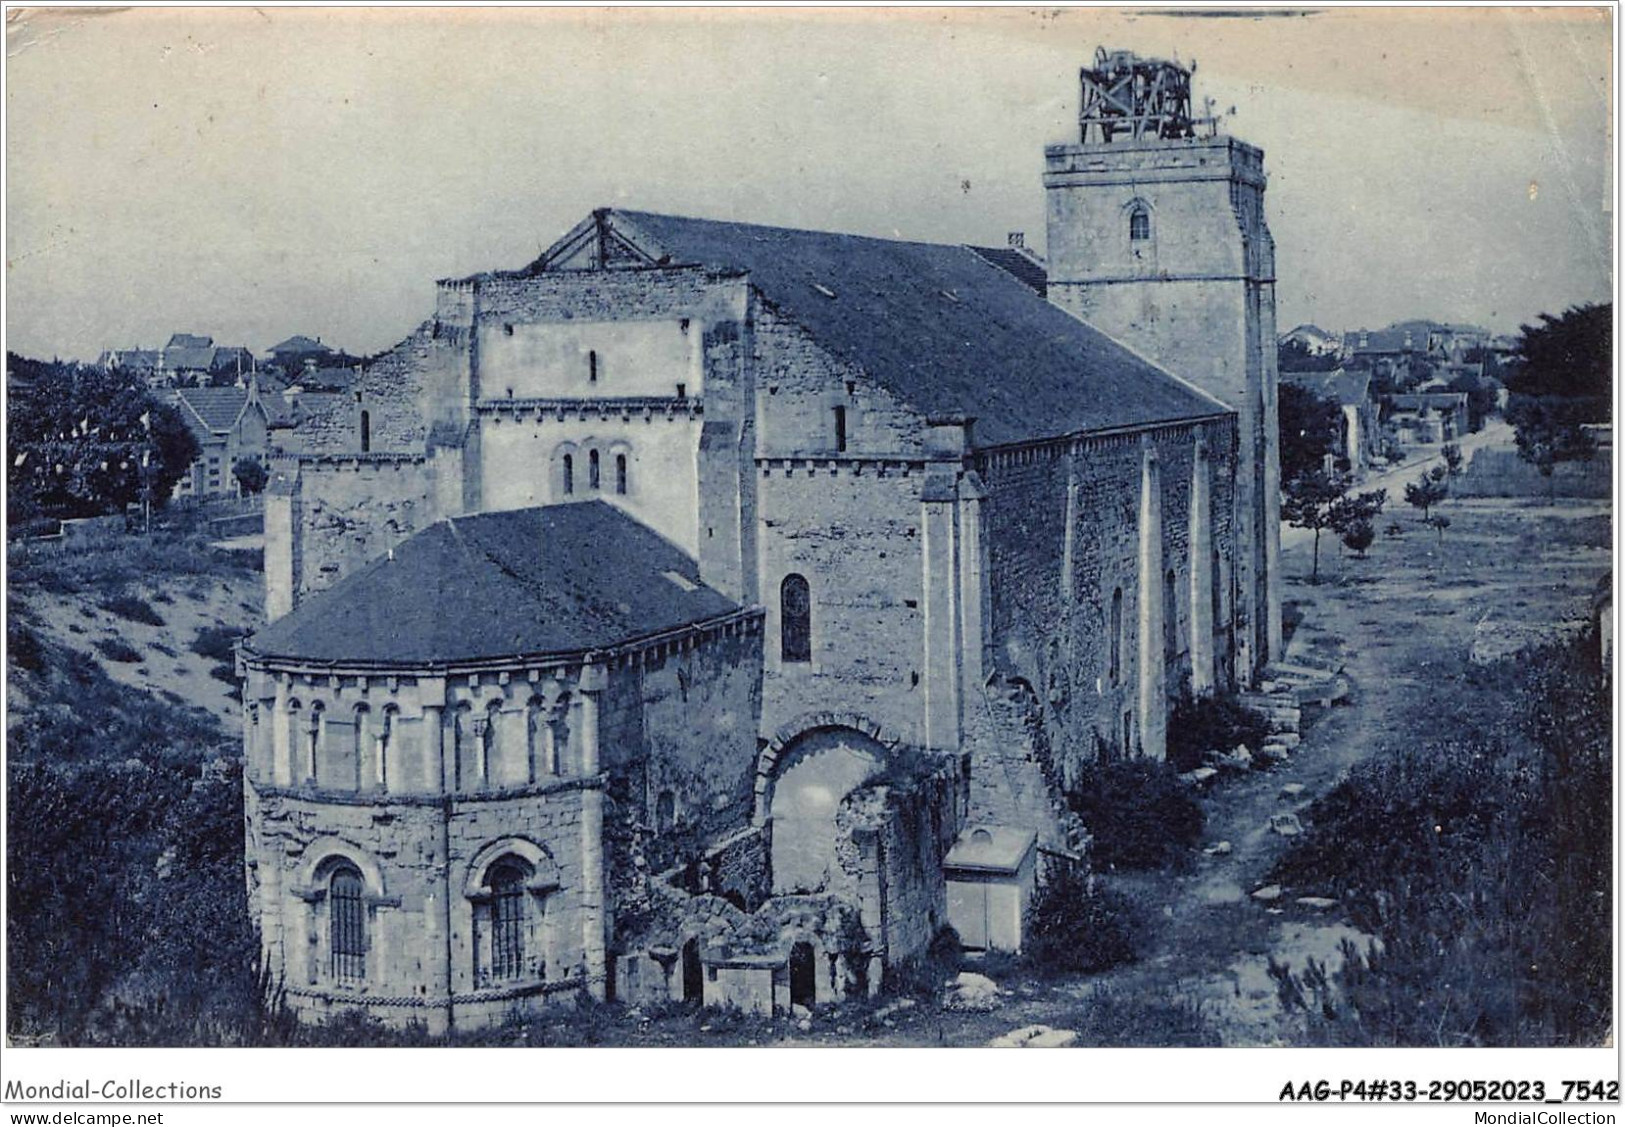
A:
(348, 510)
(678, 734)
(1052, 592)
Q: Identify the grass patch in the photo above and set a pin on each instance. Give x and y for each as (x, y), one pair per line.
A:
(1482, 863)
(1112, 1020)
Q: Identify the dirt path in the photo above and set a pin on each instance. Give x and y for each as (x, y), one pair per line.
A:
(1402, 623)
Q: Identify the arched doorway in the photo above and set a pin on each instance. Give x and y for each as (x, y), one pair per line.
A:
(803, 975)
(817, 770)
(693, 972)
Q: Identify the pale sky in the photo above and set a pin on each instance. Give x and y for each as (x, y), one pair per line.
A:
(250, 174)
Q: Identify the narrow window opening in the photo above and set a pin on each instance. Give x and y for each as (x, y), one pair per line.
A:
(592, 469)
(840, 429)
(795, 615)
(366, 432)
(682, 391)
(620, 474)
(569, 474)
(1115, 666)
(507, 328)
(592, 366)
(1139, 224)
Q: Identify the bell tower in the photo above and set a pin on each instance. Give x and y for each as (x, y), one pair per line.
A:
(1156, 236)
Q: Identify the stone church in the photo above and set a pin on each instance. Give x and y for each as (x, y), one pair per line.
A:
(668, 618)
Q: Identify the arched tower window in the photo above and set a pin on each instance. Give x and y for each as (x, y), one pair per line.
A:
(592, 469)
(313, 739)
(1114, 669)
(347, 924)
(569, 474)
(361, 743)
(620, 474)
(366, 431)
(385, 746)
(1139, 223)
(489, 748)
(795, 619)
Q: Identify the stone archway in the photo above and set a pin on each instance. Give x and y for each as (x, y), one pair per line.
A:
(810, 776)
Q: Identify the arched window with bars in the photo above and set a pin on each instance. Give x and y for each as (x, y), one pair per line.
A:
(508, 918)
(592, 469)
(569, 474)
(620, 474)
(346, 924)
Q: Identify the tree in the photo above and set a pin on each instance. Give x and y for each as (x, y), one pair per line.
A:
(1567, 357)
(1309, 426)
(1309, 502)
(1295, 356)
(1438, 522)
(251, 475)
(83, 441)
(1452, 459)
(1427, 491)
(1561, 379)
(1359, 536)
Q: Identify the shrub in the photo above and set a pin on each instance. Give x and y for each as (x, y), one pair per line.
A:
(217, 642)
(24, 647)
(1077, 927)
(1139, 813)
(133, 608)
(1212, 723)
(117, 649)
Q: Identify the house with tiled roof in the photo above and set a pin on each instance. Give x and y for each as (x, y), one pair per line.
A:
(682, 599)
(1359, 439)
(230, 423)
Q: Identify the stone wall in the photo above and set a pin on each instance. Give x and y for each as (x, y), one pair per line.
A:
(419, 862)
(347, 510)
(1063, 530)
(1500, 472)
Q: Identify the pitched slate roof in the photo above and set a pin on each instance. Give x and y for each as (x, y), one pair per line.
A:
(189, 359)
(299, 344)
(1350, 389)
(1023, 267)
(216, 408)
(189, 340)
(937, 325)
(561, 579)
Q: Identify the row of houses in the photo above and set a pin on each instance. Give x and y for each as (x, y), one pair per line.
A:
(1440, 343)
(190, 359)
